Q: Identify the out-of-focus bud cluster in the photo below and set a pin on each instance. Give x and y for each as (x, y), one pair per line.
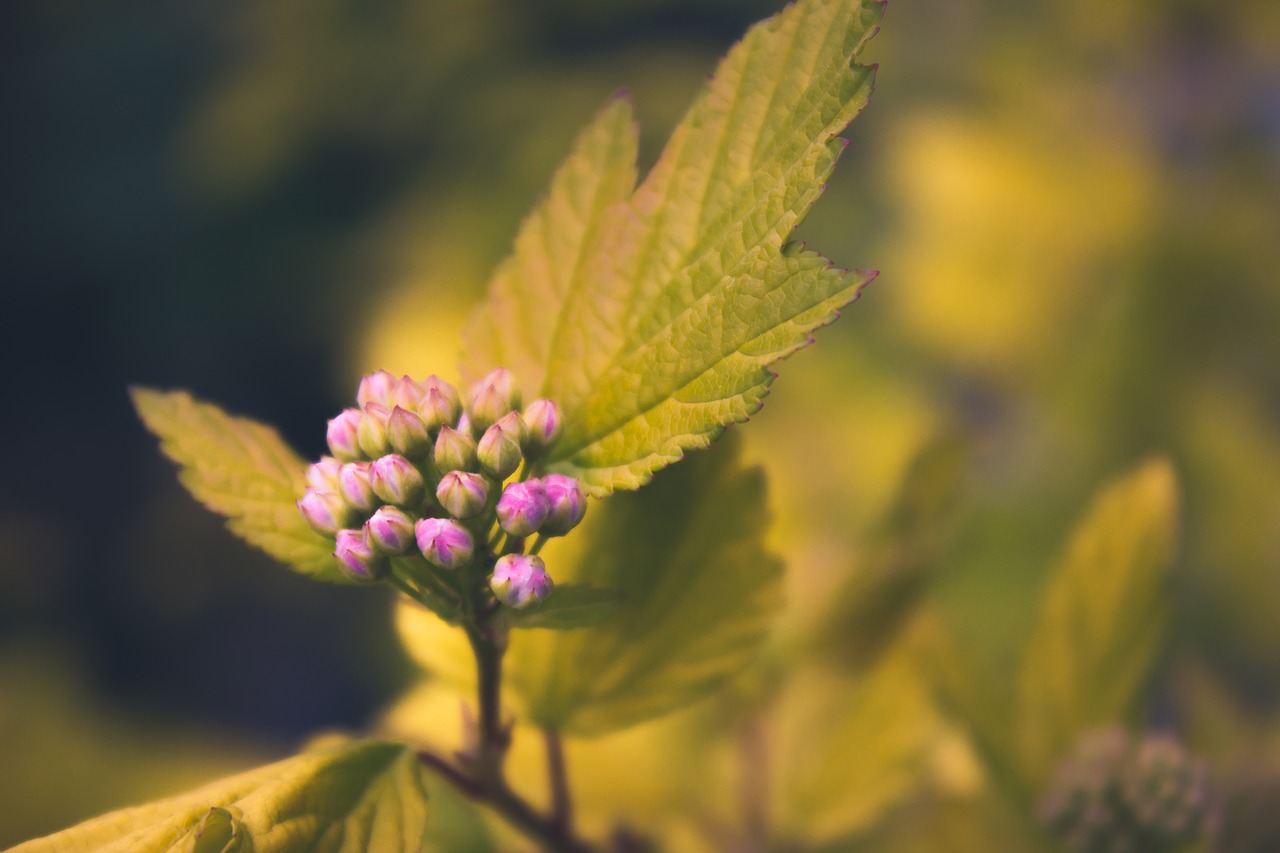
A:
(1116, 794)
(414, 464)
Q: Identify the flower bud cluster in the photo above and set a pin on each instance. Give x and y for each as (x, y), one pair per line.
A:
(1118, 795)
(418, 468)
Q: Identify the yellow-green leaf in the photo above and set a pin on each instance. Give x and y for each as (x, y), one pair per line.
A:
(243, 470)
(700, 590)
(354, 796)
(569, 606)
(652, 317)
(1101, 621)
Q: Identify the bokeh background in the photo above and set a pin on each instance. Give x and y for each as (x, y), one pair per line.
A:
(1075, 208)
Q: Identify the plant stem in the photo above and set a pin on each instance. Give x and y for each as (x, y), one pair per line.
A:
(561, 806)
(479, 775)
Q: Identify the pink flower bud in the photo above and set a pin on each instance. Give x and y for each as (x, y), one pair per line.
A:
(445, 543)
(324, 474)
(437, 410)
(357, 557)
(407, 433)
(568, 504)
(542, 418)
(396, 480)
(376, 388)
(325, 510)
(463, 495)
(356, 486)
(519, 580)
(406, 394)
(523, 508)
(492, 397)
(454, 451)
(343, 435)
(513, 425)
(372, 430)
(390, 530)
(446, 392)
(499, 452)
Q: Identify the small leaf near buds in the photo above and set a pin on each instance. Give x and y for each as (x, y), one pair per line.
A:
(357, 557)
(396, 480)
(325, 510)
(519, 580)
(463, 495)
(343, 436)
(568, 504)
(444, 542)
(523, 508)
(390, 530)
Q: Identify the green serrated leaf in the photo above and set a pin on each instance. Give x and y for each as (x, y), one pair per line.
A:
(700, 590)
(356, 796)
(569, 606)
(652, 317)
(1101, 621)
(243, 470)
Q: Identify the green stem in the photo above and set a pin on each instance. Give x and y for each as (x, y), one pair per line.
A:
(482, 778)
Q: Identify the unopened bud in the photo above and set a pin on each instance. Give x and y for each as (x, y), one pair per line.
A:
(523, 508)
(376, 388)
(325, 510)
(343, 435)
(406, 394)
(445, 542)
(396, 480)
(513, 425)
(390, 530)
(455, 451)
(519, 580)
(463, 495)
(568, 504)
(492, 397)
(372, 431)
(439, 404)
(499, 452)
(357, 557)
(356, 485)
(542, 419)
(407, 433)
(324, 474)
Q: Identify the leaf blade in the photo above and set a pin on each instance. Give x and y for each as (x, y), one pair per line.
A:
(242, 470)
(569, 606)
(338, 798)
(701, 592)
(692, 291)
(1101, 620)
